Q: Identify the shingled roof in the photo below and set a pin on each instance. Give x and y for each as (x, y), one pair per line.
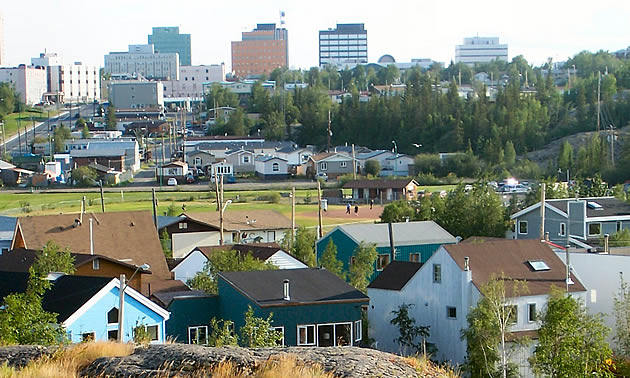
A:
(259, 251)
(395, 275)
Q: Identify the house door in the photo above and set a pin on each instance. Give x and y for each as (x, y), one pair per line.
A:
(325, 335)
(271, 236)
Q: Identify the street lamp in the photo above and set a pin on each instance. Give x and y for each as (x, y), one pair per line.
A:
(395, 147)
(416, 145)
(121, 298)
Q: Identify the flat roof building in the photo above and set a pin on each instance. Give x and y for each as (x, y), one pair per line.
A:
(168, 40)
(192, 78)
(345, 44)
(28, 81)
(134, 94)
(260, 51)
(69, 82)
(480, 50)
(142, 60)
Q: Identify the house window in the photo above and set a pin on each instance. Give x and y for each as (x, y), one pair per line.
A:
(619, 226)
(183, 225)
(153, 332)
(96, 264)
(414, 257)
(323, 166)
(112, 316)
(275, 167)
(522, 227)
(343, 164)
(334, 334)
(437, 273)
(382, 262)
(281, 330)
(246, 159)
(563, 229)
(594, 229)
(352, 259)
(531, 312)
(358, 330)
(197, 161)
(451, 312)
(198, 335)
(306, 335)
(87, 336)
(112, 335)
(512, 312)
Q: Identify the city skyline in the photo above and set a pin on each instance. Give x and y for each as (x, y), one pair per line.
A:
(410, 30)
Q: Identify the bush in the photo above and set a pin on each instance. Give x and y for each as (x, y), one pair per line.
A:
(372, 167)
(273, 197)
(427, 179)
(308, 198)
(428, 163)
(25, 206)
(84, 176)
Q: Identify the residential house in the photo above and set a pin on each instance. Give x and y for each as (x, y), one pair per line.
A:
(221, 168)
(11, 175)
(21, 259)
(107, 174)
(311, 307)
(398, 165)
(242, 160)
(122, 155)
(239, 226)
(175, 169)
(330, 163)
(200, 159)
(190, 314)
(362, 157)
(413, 241)
(91, 313)
(187, 267)
(127, 236)
(147, 127)
(7, 228)
(446, 287)
(297, 158)
(271, 168)
(581, 222)
(29, 162)
(382, 190)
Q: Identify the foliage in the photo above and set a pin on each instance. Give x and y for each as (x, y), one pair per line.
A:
(258, 332)
(165, 241)
(225, 261)
(488, 325)
(219, 96)
(110, 118)
(362, 267)
(622, 319)
(84, 176)
(372, 167)
(8, 99)
(620, 238)
(222, 333)
(61, 134)
(50, 259)
(397, 211)
(140, 334)
(330, 262)
(172, 210)
(238, 124)
(304, 246)
(85, 132)
(409, 331)
(571, 343)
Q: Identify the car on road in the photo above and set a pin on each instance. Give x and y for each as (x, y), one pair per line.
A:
(172, 181)
(322, 176)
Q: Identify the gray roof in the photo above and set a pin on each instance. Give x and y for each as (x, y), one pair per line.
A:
(405, 233)
(266, 158)
(164, 221)
(165, 298)
(610, 206)
(210, 145)
(7, 227)
(395, 275)
(105, 148)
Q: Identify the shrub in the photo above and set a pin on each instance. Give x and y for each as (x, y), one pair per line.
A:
(427, 179)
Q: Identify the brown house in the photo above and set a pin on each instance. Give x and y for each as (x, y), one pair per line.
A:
(21, 259)
(382, 190)
(128, 236)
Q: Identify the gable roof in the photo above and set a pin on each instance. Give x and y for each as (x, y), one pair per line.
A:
(259, 251)
(176, 163)
(379, 183)
(328, 156)
(405, 233)
(306, 286)
(165, 221)
(128, 236)
(511, 257)
(266, 158)
(395, 275)
(610, 206)
(243, 220)
(164, 299)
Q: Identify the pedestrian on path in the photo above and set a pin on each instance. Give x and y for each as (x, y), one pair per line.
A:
(348, 208)
(371, 203)
(356, 210)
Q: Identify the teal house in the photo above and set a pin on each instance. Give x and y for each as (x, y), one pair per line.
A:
(413, 241)
(191, 313)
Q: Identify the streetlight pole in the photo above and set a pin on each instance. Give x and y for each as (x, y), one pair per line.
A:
(395, 147)
(121, 299)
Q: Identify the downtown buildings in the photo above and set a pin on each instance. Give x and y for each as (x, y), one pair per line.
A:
(346, 44)
(480, 50)
(142, 60)
(168, 40)
(260, 51)
(76, 82)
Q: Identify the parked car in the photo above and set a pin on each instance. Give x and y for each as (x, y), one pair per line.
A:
(321, 175)
(172, 181)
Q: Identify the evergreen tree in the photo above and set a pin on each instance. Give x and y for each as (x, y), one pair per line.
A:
(362, 266)
(330, 262)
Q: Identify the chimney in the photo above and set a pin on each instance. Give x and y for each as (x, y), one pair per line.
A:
(606, 244)
(547, 236)
(286, 295)
(466, 264)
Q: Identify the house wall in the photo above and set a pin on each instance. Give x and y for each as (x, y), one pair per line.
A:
(190, 266)
(190, 312)
(205, 159)
(285, 261)
(191, 226)
(335, 168)
(233, 306)
(95, 319)
(552, 225)
(240, 166)
(183, 243)
(109, 269)
(116, 162)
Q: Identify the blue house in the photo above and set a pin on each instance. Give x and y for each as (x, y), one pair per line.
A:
(7, 229)
(413, 241)
(311, 307)
(581, 222)
(87, 307)
(191, 312)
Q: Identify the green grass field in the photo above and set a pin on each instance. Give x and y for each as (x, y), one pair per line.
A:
(26, 118)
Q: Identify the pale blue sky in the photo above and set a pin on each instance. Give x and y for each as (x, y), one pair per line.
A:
(85, 30)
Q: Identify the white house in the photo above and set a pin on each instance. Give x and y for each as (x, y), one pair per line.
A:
(447, 286)
(177, 169)
(242, 160)
(221, 168)
(397, 165)
(186, 268)
(271, 168)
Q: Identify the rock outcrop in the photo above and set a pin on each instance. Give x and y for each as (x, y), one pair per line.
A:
(20, 355)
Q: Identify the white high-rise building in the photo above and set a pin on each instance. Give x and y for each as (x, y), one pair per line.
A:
(480, 50)
(29, 82)
(142, 60)
(191, 79)
(346, 44)
(74, 82)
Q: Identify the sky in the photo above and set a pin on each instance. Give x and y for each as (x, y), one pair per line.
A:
(86, 30)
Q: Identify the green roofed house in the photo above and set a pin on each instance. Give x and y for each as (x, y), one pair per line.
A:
(413, 241)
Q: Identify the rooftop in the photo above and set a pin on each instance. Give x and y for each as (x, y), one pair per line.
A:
(379, 183)
(243, 220)
(405, 233)
(396, 275)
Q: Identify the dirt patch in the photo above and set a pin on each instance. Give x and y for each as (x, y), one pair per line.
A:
(339, 212)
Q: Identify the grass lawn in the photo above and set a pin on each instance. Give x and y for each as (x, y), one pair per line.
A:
(26, 118)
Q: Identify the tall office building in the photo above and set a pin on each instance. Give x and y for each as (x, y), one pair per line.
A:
(480, 50)
(142, 60)
(346, 44)
(76, 82)
(168, 40)
(260, 51)
(29, 82)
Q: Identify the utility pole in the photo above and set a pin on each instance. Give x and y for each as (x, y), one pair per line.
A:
(320, 231)
(222, 241)
(599, 89)
(18, 127)
(542, 211)
(162, 163)
(102, 198)
(354, 164)
(121, 302)
(154, 208)
(292, 218)
(612, 145)
(329, 132)
(216, 186)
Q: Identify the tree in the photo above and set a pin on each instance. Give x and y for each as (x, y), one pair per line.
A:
(85, 132)
(84, 176)
(274, 126)
(237, 124)
(225, 261)
(110, 119)
(397, 211)
(372, 167)
(165, 241)
(259, 332)
(509, 154)
(488, 325)
(60, 134)
(8, 98)
(571, 342)
(622, 319)
(362, 266)
(50, 259)
(222, 333)
(330, 262)
(304, 246)
(565, 156)
(409, 331)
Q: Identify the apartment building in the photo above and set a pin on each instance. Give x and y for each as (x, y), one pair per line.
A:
(169, 40)
(346, 44)
(260, 51)
(480, 50)
(192, 78)
(142, 60)
(29, 82)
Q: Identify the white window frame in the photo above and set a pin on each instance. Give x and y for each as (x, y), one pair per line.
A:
(306, 327)
(275, 167)
(526, 227)
(439, 270)
(323, 166)
(358, 330)
(448, 315)
(412, 255)
(96, 264)
(515, 320)
(281, 329)
(563, 229)
(334, 335)
(529, 313)
(197, 328)
(245, 159)
(157, 331)
(379, 265)
(183, 225)
(619, 226)
(589, 228)
(343, 164)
